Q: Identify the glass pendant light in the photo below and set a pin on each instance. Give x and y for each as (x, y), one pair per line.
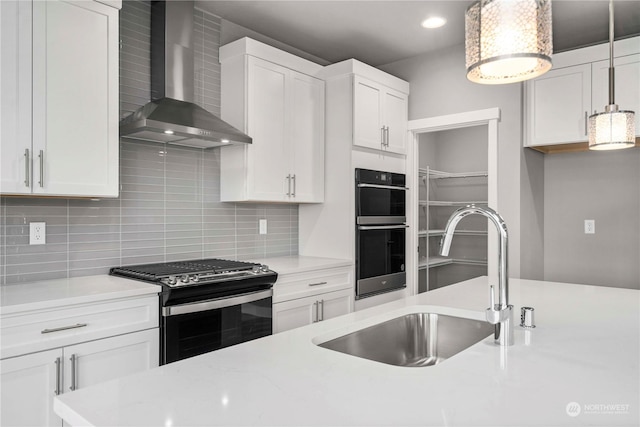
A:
(508, 41)
(614, 129)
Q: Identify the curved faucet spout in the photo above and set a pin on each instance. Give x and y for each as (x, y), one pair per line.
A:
(500, 312)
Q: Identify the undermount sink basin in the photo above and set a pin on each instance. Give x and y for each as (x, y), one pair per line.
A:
(419, 339)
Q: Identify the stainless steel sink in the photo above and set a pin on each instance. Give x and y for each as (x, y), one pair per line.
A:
(420, 339)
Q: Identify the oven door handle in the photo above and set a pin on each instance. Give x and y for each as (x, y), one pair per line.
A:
(381, 227)
(213, 304)
(384, 187)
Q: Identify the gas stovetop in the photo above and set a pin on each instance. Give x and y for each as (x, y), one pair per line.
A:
(191, 273)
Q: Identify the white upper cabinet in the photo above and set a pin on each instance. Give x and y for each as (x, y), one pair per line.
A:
(376, 102)
(558, 103)
(59, 98)
(273, 97)
(380, 116)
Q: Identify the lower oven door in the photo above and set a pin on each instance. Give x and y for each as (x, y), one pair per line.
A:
(200, 327)
(380, 259)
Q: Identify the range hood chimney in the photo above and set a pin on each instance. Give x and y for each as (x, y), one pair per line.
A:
(172, 117)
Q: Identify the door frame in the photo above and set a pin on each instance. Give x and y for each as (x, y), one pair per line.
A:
(487, 117)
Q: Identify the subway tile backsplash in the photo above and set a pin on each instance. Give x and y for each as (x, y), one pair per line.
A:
(169, 206)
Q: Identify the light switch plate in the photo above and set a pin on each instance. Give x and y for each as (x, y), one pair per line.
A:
(262, 226)
(37, 233)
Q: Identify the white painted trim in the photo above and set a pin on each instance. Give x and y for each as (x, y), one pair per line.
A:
(454, 121)
(488, 117)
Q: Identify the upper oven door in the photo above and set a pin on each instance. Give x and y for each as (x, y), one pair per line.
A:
(380, 197)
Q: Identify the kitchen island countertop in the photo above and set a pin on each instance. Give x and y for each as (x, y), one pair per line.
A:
(579, 366)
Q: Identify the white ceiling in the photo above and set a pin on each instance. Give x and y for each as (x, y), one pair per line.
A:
(380, 32)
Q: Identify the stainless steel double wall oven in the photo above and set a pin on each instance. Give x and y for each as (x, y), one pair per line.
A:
(380, 232)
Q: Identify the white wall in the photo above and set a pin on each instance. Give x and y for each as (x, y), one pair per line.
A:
(439, 86)
(605, 187)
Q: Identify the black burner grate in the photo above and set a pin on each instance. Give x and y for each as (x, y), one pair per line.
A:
(154, 272)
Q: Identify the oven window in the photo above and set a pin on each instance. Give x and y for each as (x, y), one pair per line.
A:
(188, 335)
(381, 252)
(381, 202)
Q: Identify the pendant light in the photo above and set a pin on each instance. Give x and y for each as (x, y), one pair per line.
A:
(614, 129)
(508, 41)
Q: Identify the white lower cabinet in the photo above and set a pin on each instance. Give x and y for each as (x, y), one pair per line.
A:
(313, 296)
(58, 349)
(30, 382)
(305, 311)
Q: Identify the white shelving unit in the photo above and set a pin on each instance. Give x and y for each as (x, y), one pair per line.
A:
(432, 223)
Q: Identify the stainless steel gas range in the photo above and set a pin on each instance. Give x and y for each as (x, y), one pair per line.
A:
(208, 304)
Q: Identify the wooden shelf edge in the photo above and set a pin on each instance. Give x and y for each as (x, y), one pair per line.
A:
(575, 147)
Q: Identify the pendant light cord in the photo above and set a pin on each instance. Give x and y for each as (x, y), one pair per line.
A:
(611, 71)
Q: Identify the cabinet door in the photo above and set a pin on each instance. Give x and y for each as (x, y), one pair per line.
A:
(268, 157)
(367, 113)
(28, 386)
(110, 358)
(396, 106)
(337, 303)
(627, 85)
(75, 98)
(295, 313)
(558, 104)
(307, 140)
(15, 97)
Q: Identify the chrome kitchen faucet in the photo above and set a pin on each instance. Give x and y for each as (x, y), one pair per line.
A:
(499, 313)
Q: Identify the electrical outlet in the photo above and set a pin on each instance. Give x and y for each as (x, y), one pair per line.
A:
(262, 226)
(37, 233)
(589, 226)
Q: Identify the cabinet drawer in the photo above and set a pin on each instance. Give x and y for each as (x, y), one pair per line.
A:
(309, 283)
(44, 329)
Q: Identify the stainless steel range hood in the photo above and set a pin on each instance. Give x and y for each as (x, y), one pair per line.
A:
(172, 117)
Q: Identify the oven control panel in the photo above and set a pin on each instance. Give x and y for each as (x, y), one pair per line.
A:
(205, 277)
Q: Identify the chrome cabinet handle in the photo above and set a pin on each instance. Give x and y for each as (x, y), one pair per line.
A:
(315, 305)
(382, 136)
(41, 156)
(58, 376)
(27, 172)
(585, 123)
(317, 284)
(64, 328)
(321, 305)
(74, 366)
(293, 178)
(387, 137)
(289, 185)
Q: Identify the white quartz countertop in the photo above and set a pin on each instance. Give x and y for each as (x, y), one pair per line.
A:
(23, 297)
(300, 264)
(579, 366)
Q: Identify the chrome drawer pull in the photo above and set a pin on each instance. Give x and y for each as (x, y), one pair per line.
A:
(27, 172)
(317, 284)
(74, 365)
(64, 328)
(58, 389)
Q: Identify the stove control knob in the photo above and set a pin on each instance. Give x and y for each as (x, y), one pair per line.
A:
(185, 278)
(171, 280)
(195, 278)
(255, 269)
(264, 268)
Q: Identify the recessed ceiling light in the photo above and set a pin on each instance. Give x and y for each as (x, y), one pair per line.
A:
(434, 22)
(168, 132)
